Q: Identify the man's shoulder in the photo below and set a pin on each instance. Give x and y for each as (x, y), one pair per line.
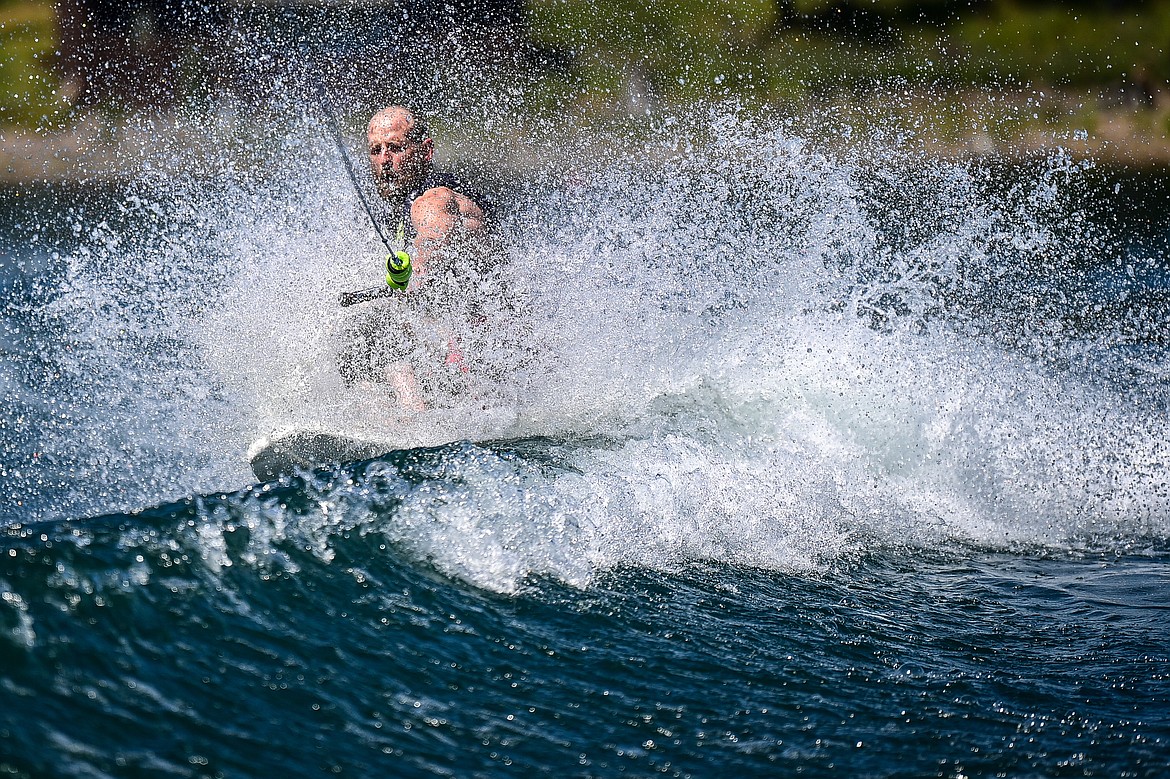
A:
(448, 183)
(438, 205)
(441, 197)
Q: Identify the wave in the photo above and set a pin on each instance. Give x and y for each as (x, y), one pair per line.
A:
(793, 355)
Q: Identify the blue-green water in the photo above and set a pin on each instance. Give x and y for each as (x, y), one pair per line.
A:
(819, 464)
(169, 644)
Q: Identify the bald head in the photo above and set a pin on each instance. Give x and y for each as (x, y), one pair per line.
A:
(401, 119)
(400, 151)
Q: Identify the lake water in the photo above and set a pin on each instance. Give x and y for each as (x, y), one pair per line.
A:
(789, 461)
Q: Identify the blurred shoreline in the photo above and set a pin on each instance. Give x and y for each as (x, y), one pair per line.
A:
(165, 85)
(98, 149)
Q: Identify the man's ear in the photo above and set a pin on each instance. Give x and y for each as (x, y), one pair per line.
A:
(429, 146)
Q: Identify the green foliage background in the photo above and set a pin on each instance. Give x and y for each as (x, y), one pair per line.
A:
(28, 40)
(620, 57)
(771, 48)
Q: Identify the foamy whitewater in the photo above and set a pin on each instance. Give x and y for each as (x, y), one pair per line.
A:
(777, 343)
(780, 372)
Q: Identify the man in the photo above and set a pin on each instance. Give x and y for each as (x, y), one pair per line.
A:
(440, 224)
(432, 213)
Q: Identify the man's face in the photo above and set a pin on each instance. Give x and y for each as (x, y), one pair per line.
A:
(398, 163)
